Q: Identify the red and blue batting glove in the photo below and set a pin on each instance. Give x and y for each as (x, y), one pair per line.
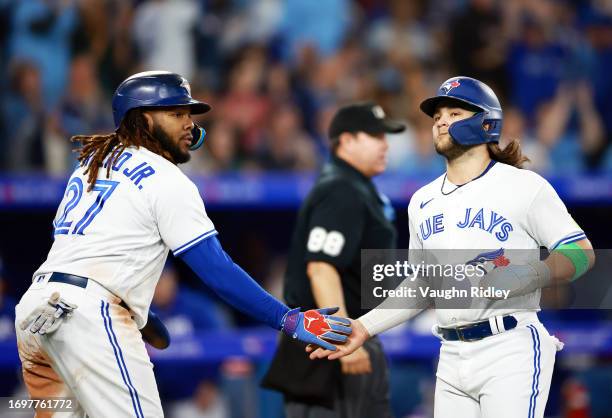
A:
(315, 326)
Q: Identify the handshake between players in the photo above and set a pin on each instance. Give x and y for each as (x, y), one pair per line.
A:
(314, 327)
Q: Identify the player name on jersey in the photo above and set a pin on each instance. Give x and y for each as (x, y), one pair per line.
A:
(136, 174)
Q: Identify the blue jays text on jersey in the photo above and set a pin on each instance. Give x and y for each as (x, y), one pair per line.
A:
(481, 218)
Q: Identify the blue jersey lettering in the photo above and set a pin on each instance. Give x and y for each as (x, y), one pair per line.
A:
(497, 225)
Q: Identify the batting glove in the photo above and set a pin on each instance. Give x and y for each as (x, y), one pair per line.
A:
(47, 318)
(519, 279)
(315, 326)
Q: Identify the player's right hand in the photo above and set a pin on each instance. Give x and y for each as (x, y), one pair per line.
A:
(356, 340)
(48, 317)
(316, 326)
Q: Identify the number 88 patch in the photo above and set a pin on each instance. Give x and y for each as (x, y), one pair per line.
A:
(329, 242)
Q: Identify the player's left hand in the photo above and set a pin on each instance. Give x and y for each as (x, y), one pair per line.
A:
(47, 318)
(317, 326)
(519, 279)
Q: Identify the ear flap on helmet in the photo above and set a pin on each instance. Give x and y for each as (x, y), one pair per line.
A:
(199, 134)
(477, 129)
(468, 131)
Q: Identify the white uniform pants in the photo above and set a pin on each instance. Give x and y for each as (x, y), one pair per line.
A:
(97, 356)
(503, 376)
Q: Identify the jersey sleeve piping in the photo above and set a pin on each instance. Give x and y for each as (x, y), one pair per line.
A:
(194, 241)
(576, 236)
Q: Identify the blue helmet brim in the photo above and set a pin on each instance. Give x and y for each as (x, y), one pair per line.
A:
(196, 106)
(428, 106)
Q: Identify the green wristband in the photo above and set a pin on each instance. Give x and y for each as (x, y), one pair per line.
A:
(577, 256)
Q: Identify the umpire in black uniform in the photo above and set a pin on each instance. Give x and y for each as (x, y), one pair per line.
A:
(343, 214)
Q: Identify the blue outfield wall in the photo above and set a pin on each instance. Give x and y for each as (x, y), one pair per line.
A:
(283, 190)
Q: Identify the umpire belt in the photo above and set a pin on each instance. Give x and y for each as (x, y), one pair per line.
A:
(479, 330)
(82, 282)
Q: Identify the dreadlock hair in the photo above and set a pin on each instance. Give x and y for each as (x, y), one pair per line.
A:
(133, 131)
(511, 154)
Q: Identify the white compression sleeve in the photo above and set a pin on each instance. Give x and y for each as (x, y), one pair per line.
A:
(379, 320)
(392, 311)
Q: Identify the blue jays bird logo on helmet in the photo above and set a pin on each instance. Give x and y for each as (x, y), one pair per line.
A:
(186, 86)
(446, 87)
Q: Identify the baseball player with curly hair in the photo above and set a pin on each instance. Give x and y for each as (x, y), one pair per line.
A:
(495, 361)
(126, 204)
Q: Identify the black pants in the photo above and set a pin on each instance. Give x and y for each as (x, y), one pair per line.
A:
(356, 396)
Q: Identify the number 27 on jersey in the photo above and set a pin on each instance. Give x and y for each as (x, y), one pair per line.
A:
(63, 224)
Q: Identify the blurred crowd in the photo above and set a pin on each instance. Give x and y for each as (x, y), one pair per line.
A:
(276, 70)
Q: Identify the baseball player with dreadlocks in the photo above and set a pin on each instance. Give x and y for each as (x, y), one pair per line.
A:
(497, 361)
(124, 207)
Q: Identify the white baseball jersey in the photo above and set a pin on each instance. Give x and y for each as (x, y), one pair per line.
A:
(506, 208)
(119, 233)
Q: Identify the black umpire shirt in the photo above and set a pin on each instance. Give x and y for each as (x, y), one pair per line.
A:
(342, 214)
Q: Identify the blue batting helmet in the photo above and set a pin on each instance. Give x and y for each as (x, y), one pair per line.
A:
(152, 89)
(485, 126)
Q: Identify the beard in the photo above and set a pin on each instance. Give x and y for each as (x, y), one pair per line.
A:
(449, 148)
(179, 156)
